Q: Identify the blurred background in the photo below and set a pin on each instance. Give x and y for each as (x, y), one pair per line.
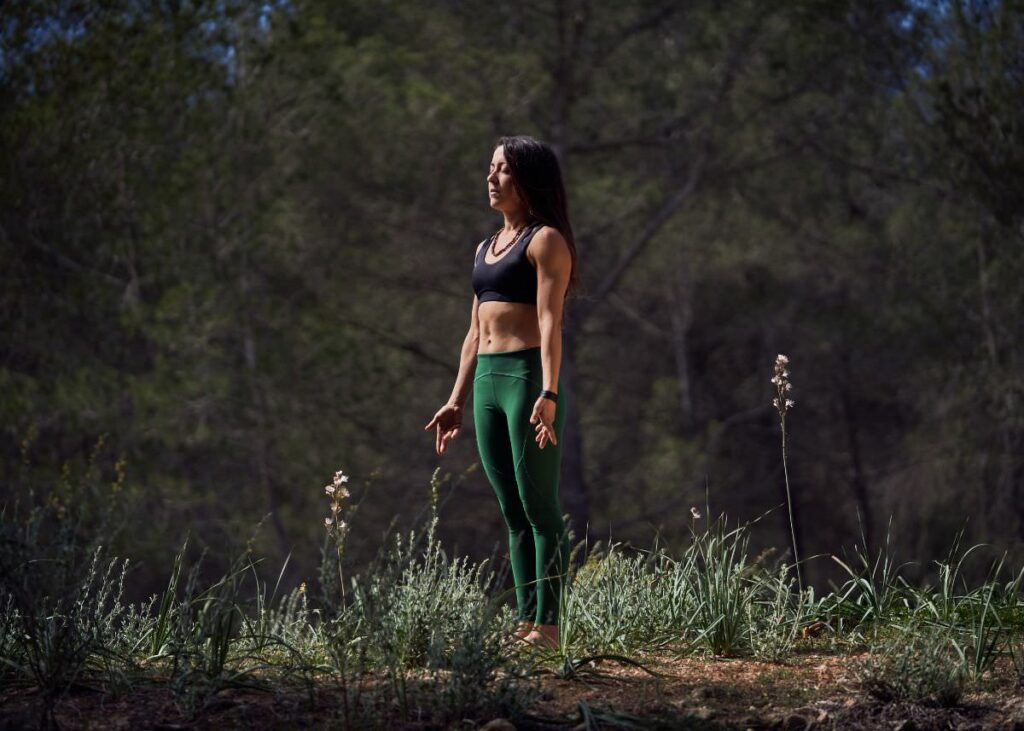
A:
(236, 241)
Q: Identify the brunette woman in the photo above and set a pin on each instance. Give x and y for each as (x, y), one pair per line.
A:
(510, 360)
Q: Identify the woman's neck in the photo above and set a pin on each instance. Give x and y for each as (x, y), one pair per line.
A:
(516, 220)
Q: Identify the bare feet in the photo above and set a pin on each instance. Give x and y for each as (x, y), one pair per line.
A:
(544, 635)
(523, 629)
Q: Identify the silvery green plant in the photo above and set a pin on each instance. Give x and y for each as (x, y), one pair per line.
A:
(984, 631)
(413, 595)
(708, 597)
(944, 604)
(476, 678)
(921, 663)
(204, 638)
(63, 606)
(724, 587)
(875, 591)
(429, 623)
(616, 603)
(776, 615)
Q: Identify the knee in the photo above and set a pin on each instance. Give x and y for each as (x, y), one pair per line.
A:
(544, 516)
(515, 517)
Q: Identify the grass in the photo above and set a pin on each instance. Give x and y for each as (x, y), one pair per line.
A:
(421, 637)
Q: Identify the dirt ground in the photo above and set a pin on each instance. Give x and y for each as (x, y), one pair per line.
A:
(816, 691)
(810, 691)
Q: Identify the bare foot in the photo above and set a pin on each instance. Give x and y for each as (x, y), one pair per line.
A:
(523, 629)
(544, 635)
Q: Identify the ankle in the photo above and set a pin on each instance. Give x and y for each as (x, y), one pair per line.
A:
(523, 628)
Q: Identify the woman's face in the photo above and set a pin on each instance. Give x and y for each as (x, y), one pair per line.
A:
(500, 189)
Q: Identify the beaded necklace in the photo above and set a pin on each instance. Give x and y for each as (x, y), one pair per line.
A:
(510, 244)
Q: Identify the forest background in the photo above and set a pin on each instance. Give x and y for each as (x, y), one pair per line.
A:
(236, 241)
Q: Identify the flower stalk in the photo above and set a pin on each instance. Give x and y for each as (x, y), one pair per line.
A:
(335, 524)
(783, 404)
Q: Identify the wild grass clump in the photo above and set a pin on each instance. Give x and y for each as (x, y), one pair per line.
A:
(919, 664)
(876, 595)
(617, 603)
(61, 597)
(429, 627)
(416, 601)
(776, 615)
(708, 599)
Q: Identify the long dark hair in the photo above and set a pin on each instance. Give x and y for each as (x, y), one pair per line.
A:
(537, 177)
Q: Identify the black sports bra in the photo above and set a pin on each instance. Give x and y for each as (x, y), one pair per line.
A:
(510, 279)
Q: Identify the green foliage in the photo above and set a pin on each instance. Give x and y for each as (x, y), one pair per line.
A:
(417, 601)
(222, 245)
(709, 597)
(63, 616)
(426, 635)
(232, 241)
(921, 664)
(776, 615)
(875, 591)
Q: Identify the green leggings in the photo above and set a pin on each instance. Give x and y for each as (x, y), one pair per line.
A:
(524, 476)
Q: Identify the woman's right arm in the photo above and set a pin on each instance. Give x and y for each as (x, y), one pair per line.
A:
(467, 359)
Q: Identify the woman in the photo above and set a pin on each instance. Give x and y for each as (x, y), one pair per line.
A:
(510, 359)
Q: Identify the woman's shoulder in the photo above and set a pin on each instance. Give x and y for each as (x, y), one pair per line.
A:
(545, 232)
(546, 240)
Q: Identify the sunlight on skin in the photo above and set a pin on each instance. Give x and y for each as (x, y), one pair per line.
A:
(523, 629)
(544, 635)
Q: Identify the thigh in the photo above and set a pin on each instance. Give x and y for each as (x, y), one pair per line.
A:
(494, 443)
(537, 470)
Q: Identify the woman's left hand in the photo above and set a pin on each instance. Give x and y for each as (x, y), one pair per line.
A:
(544, 417)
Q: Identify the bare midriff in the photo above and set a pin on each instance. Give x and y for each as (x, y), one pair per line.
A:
(507, 326)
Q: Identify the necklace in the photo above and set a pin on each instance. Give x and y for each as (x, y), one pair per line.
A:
(510, 244)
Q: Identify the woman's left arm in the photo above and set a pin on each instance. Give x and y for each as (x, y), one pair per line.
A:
(554, 265)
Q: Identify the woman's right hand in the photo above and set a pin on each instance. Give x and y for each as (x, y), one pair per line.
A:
(448, 420)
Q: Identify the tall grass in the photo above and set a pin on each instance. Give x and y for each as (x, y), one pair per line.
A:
(709, 599)
(422, 637)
